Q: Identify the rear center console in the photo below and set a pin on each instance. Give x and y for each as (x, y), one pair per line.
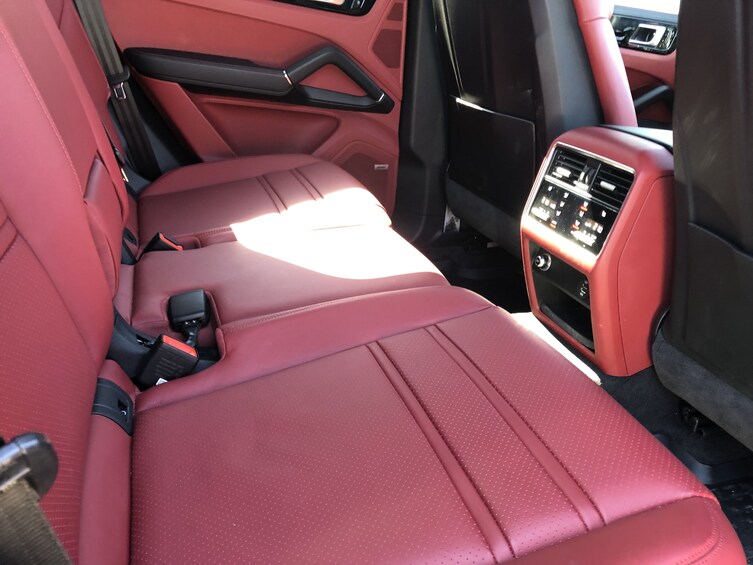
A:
(597, 238)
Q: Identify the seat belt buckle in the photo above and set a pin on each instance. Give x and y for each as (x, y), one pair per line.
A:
(117, 83)
(160, 242)
(28, 457)
(188, 313)
(168, 360)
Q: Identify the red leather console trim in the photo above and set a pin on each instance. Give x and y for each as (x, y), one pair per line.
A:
(629, 282)
(106, 498)
(606, 62)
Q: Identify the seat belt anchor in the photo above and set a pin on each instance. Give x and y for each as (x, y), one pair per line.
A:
(117, 83)
(119, 91)
(28, 457)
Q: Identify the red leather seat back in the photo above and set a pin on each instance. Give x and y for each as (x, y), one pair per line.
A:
(606, 61)
(79, 128)
(57, 309)
(66, 17)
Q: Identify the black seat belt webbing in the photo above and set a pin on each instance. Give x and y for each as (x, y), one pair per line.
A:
(139, 147)
(27, 468)
(25, 533)
(122, 164)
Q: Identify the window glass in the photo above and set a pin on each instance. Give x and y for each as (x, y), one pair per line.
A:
(666, 6)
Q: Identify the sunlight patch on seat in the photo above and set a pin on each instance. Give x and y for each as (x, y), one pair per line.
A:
(356, 253)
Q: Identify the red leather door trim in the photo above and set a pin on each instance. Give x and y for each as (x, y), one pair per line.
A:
(275, 34)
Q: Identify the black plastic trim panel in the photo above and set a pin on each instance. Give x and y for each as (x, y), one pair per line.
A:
(240, 76)
(115, 404)
(348, 7)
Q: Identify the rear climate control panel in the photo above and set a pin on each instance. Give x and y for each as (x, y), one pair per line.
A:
(597, 242)
(580, 196)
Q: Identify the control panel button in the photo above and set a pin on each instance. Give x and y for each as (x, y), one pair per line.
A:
(583, 221)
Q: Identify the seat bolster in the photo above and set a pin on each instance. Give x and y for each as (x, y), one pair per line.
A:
(106, 499)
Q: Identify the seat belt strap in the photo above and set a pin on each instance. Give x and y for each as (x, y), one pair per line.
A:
(28, 466)
(123, 164)
(139, 147)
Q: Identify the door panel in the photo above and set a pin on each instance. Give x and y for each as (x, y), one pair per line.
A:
(646, 72)
(218, 125)
(649, 67)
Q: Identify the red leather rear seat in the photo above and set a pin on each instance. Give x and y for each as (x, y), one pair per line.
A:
(202, 202)
(459, 436)
(198, 204)
(276, 266)
(414, 425)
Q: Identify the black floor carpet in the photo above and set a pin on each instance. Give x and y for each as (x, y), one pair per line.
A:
(488, 271)
(660, 412)
(737, 502)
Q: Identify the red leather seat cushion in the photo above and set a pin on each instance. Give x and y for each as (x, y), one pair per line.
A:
(463, 439)
(203, 201)
(273, 271)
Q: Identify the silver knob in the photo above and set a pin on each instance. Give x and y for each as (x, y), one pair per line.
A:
(542, 261)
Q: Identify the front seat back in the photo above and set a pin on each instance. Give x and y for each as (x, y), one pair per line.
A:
(519, 76)
(705, 350)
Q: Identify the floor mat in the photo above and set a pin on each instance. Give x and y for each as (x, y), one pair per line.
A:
(737, 502)
(480, 266)
(659, 411)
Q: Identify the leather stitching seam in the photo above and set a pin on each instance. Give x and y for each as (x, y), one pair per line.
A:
(311, 184)
(444, 441)
(517, 412)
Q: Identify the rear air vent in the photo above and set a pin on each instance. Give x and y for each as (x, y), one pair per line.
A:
(608, 183)
(567, 165)
(612, 184)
